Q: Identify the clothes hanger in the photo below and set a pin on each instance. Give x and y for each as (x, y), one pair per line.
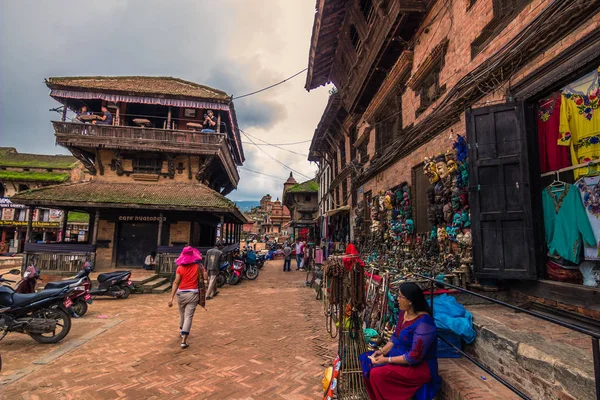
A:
(589, 170)
(557, 185)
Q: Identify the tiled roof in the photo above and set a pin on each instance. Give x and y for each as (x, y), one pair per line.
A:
(305, 187)
(23, 160)
(35, 176)
(161, 85)
(193, 196)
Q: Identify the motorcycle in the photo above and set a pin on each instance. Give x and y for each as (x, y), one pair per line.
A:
(38, 315)
(251, 267)
(28, 282)
(81, 296)
(224, 274)
(116, 284)
(237, 270)
(260, 261)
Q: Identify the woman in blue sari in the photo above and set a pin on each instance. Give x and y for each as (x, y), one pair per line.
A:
(407, 365)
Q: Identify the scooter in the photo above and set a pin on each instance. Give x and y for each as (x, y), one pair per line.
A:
(116, 284)
(38, 315)
(28, 282)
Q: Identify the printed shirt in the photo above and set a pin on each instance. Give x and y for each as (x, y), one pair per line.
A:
(213, 257)
(189, 278)
(589, 188)
(580, 121)
(566, 223)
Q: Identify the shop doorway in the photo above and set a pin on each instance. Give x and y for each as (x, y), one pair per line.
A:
(135, 242)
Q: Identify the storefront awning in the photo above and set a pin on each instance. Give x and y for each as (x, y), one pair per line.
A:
(335, 211)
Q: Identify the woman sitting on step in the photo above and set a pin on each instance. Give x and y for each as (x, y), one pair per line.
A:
(407, 365)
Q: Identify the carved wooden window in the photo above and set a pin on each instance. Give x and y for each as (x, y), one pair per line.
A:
(364, 151)
(147, 165)
(355, 38)
(385, 133)
(430, 89)
(426, 79)
(342, 153)
(367, 10)
(504, 13)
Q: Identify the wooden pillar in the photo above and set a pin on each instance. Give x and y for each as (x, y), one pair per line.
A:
(91, 226)
(64, 225)
(227, 238)
(29, 224)
(221, 230)
(117, 115)
(160, 223)
(96, 222)
(218, 121)
(64, 114)
(169, 118)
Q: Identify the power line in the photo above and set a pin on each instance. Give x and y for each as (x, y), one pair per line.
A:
(261, 173)
(274, 145)
(273, 158)
(280, 144)
(269, 87)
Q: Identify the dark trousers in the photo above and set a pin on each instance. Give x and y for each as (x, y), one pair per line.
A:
(287, 264)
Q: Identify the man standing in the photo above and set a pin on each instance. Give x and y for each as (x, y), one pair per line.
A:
(287, 252)
(299, 253)
(213, 257)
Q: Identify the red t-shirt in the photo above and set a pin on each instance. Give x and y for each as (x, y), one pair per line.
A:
(189, 277)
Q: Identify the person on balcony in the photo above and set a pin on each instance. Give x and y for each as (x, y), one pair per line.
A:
(82, 111)
(210, 123)
(407, 365)
(105, 119)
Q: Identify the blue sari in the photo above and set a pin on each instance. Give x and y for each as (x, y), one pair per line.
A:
(416, 340)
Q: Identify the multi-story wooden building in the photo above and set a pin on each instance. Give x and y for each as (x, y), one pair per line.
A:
(411, 75)
(162, 156)
(301, 200)
(20, 172)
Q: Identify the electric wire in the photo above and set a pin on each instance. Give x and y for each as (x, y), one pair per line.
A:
(262, 173)
(268, 87)
(280, 144)
(274, 145)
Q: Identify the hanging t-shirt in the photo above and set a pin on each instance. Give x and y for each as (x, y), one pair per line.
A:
(580, 120)
(589, 188)
(552, 156)
(565, 222)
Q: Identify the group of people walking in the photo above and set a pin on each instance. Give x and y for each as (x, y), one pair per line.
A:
(287, 253)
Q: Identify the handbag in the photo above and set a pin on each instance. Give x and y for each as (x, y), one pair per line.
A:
(201, 288)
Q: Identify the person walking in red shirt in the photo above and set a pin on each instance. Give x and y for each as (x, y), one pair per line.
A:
(187, 289)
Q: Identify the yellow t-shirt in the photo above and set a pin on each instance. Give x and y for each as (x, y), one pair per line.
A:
(580, 121)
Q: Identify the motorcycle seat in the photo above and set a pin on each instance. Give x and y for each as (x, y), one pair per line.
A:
(111, 275)
(60, 284)
(22, 300)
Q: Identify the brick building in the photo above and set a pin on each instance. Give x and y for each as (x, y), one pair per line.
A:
(410, 76)
(21, 172)
(161, 164)
(301, 199)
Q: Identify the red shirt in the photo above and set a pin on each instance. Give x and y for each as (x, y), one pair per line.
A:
(189, 276)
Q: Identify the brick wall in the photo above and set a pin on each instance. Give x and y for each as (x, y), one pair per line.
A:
(180, 232)
(106, 231)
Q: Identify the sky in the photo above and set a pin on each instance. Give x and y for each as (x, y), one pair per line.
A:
(238, 46)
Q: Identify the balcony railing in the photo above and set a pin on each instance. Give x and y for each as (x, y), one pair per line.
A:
(146, 139)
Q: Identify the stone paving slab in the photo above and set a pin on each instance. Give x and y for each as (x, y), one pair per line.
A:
(259, 340)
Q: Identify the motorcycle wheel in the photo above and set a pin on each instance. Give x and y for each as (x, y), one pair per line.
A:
(126, 293)
(221, 280)
(234, 279)
(63, 320)
(80, 307)
(260, 264)
(252, 272)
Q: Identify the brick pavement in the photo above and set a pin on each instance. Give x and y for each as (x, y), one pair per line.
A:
(258, 340)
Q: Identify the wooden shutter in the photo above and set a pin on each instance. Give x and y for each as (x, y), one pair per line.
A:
(500, 193)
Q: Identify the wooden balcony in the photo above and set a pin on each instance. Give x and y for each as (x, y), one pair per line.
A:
(87, 136)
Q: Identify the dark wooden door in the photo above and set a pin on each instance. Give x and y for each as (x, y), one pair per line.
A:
(136, 241)
(500, 193)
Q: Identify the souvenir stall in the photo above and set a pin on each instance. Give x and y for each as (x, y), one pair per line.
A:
(568, 129)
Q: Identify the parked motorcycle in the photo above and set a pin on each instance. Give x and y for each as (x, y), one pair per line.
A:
(251, 265)
(80, 296)
(116, 284)
(38, 315)
(29, 280)
(260, 261)
(225, 273)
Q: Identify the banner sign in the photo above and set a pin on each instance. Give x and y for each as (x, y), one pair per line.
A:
(140, 218)
(35, 224)
(5, 202)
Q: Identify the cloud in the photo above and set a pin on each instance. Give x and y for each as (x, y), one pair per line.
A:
(237, 46)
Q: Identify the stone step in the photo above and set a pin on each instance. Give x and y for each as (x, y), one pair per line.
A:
(150, 285)
(165, 287)
(543, 360)
(463, 380)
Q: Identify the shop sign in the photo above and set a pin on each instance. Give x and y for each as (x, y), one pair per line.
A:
(55, 215)
(35, 224)
(8, 214)
(5, 202)
(141, 218)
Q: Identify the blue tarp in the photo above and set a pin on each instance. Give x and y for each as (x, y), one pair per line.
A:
(451, 315)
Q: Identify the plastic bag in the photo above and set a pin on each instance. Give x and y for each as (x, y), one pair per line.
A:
(451, 315)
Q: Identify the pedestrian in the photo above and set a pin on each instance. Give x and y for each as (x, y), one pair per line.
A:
(187, 286)
(213, 258)
(299, 253)
(150, 262)
(287, 261)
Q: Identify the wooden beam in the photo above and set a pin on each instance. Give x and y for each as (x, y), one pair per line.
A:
(64, 114)
(98, 161)
(203, 167)
(169, 118)
(218, 121)
(29, 224)
(96, 223)
(160, 223)
(64, 225)
(189, 166)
